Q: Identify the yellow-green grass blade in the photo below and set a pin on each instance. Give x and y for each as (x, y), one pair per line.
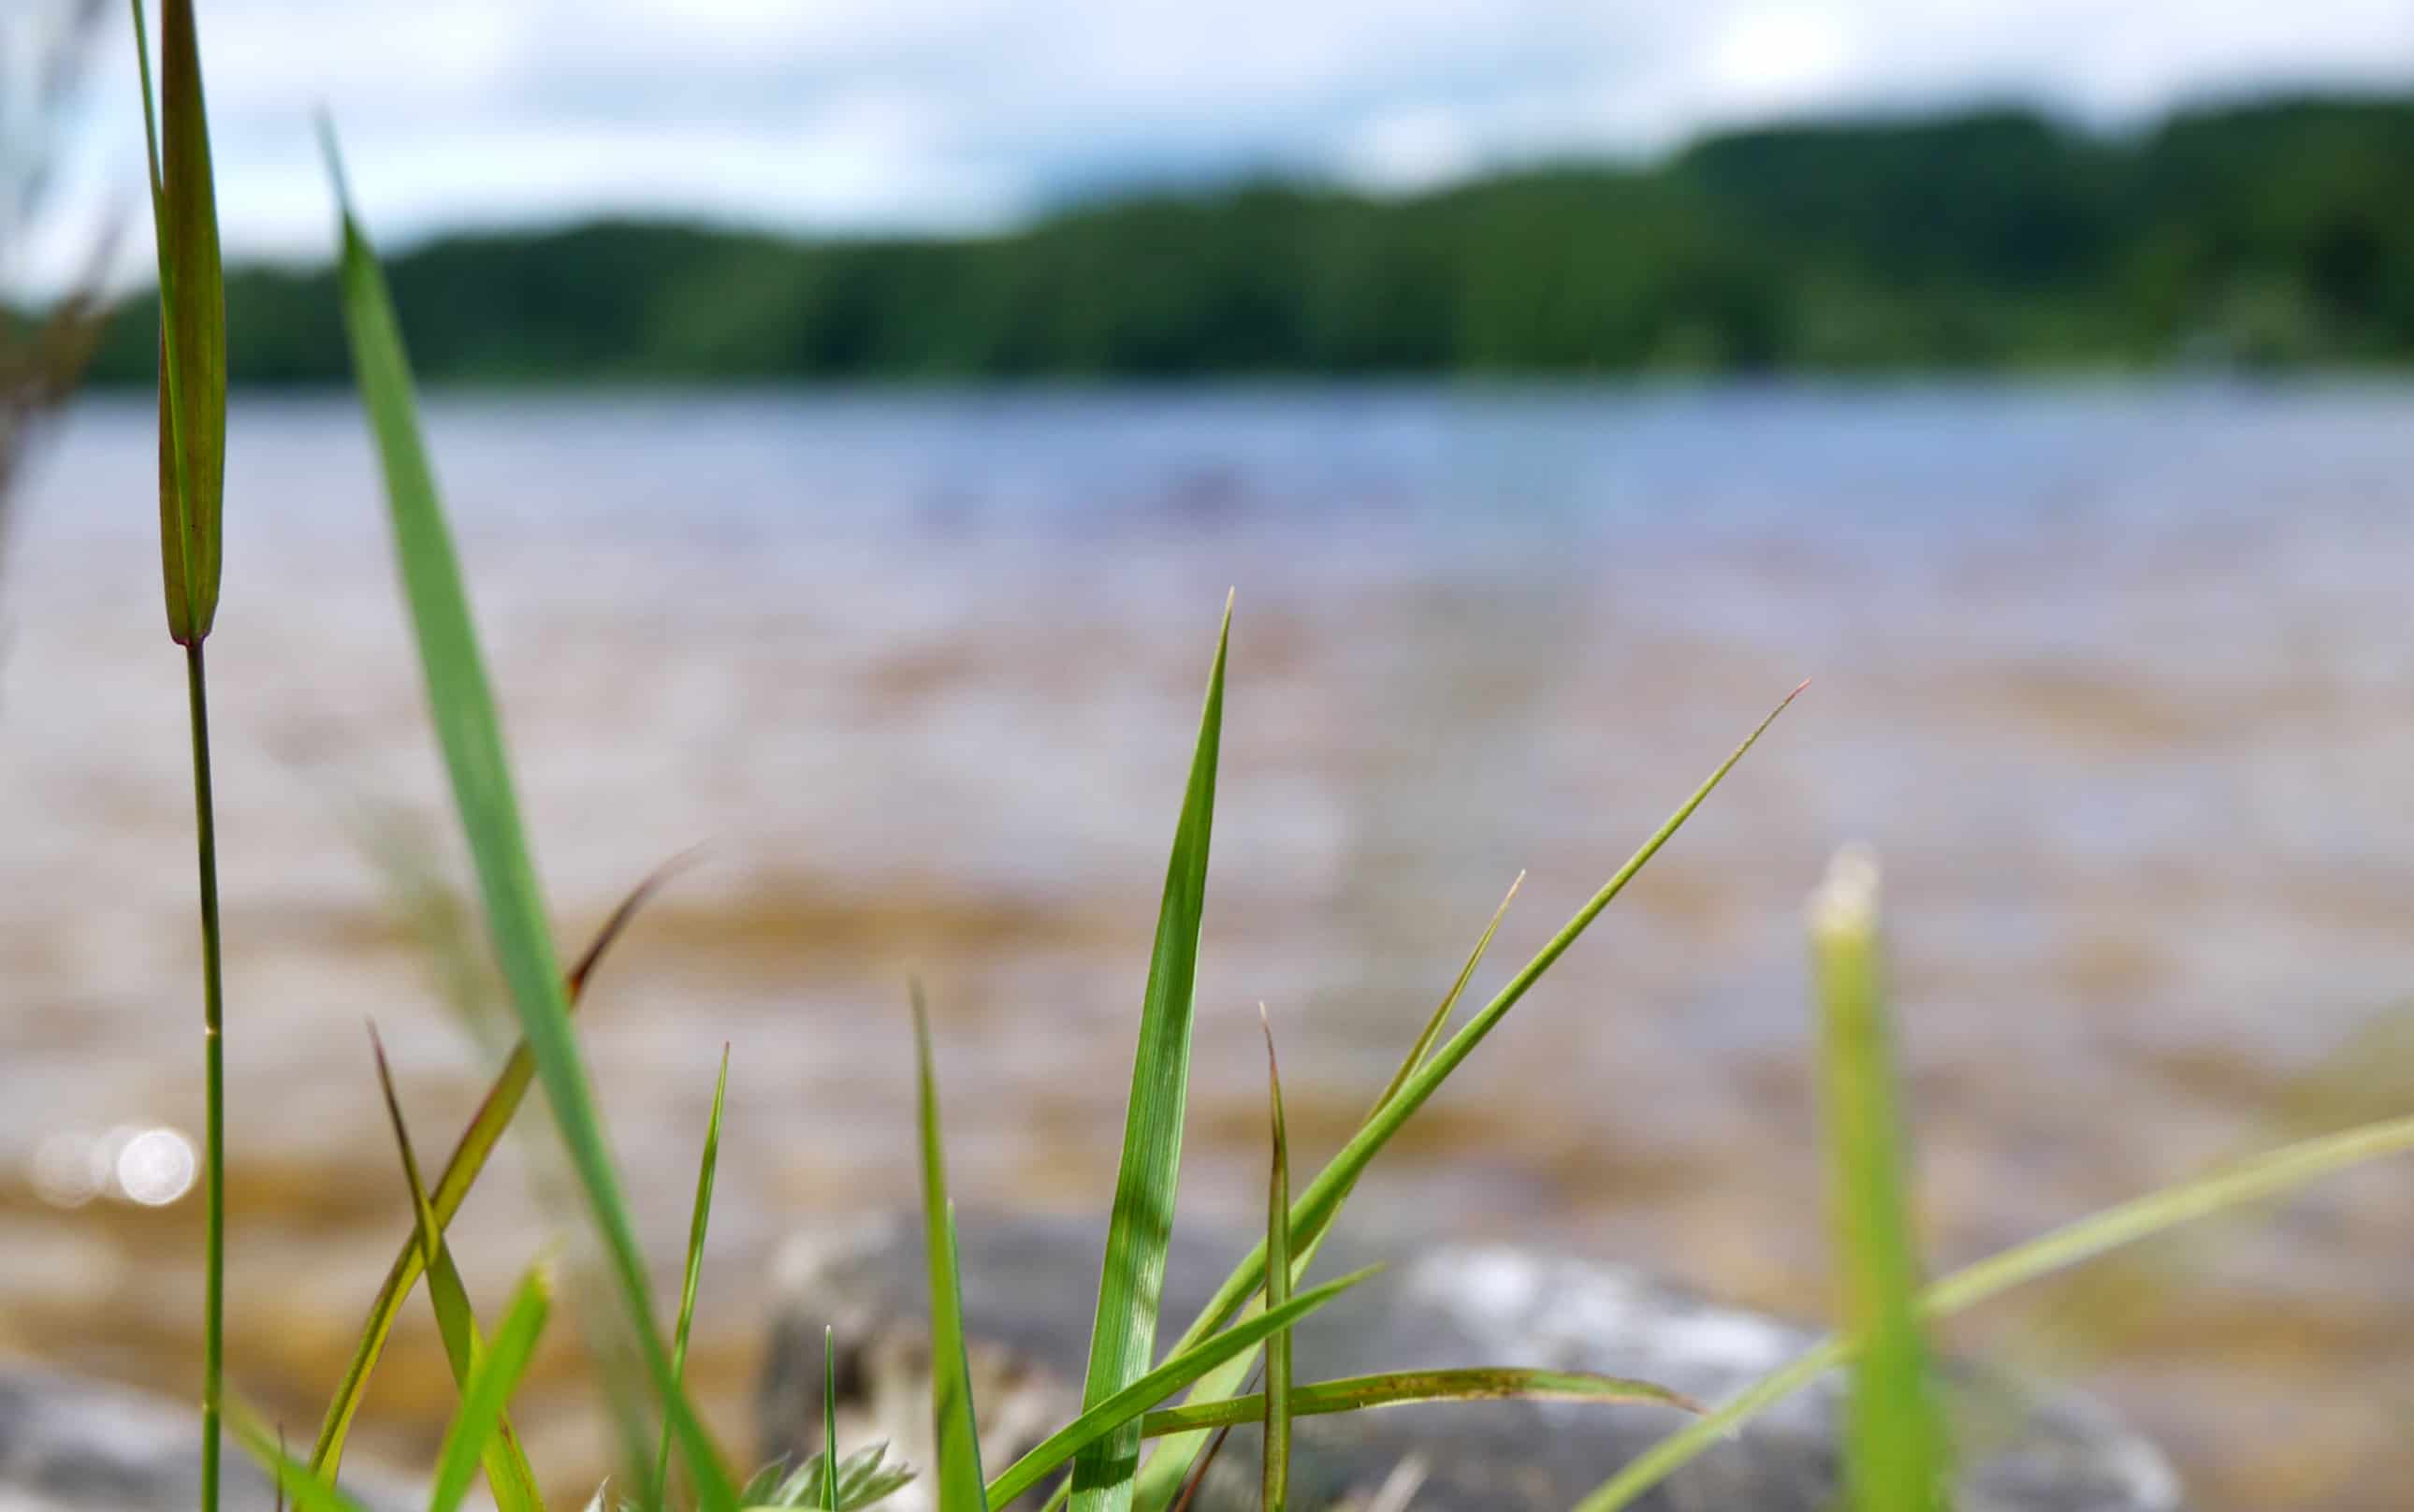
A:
(488, 1392)
(1355, 1393)
(311, 1490)
(1895, 1457)
(1275, 1403)
(1123, 1410)
(192, 322)
(694, 1270)
(468, 1159)
(2271, 1174)
(829, 1418)
(1315, 1208)
(954, 1426)
(1168, 1469)
(470, 732)
(508, 1475)
(1131, 1281)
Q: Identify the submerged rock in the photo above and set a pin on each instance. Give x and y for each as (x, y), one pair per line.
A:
(1030, 1284)
(70, 1445)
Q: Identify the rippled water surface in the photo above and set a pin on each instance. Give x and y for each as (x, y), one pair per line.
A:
(2118, 682)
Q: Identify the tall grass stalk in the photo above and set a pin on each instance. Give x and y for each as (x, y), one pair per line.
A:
(192, 488)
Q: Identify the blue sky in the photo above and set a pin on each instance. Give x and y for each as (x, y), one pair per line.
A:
(953, 114)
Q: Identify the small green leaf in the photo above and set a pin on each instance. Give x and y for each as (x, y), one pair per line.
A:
(954, 1426)
(1141, 1223)
(1358, 1392)
(487, 1393)
(2271, 1174)
(694, 1268)
(477, 1141)
(508, 1475)
(470, 731)
(1276, 1404)
(1125, 1407)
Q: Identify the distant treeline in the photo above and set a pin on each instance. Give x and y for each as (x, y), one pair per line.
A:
(2275, 233)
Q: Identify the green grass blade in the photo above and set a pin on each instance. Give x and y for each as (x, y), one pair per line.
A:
(1123, 1409)
(829, 1418)
(694, 1270)
(1123, 1339)
(192, 323)
(1276, 1404)
(488, 1390)
(508, 1475)
(954, 1426)
(1894, 1441)
(1315, 1208)
(2249, 1181)
(1168, 1470)
(468, 1159)
(471, 734)
(311, 1490)
(1350, 1394)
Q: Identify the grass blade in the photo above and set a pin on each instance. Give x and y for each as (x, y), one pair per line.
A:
(829, 1418)
(508, 1475)
(192, 323)
(695, 1268)
(471, 734)
(1123, 1410)
(1315, 1208)
(1356, 1393)
(487, 1393)
(468, 1159)
(2271, 1174)
(954, 1428)
(311, 1490)
(1276, 1404)
(1162, 1476)
(1894, 1438)
(1123, 1338)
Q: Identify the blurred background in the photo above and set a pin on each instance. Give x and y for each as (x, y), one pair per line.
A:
(854, 414)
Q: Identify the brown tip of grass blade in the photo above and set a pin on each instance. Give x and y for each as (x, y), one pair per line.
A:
(638, 897)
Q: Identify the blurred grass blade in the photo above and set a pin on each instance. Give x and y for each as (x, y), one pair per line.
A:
(1169, 1474)
(695, 1268)
(829, 1419)
(1355, 1393)
(1123, 1338)
(311, 1490)
(1276, 1404)
(477, 1141)
(2267, 1175)
(192, 323)
(463, 706)
(1123, 1410)
(1315, 1208)
(508, 1475)
(487, 1393)
(693, 1272)
(954, 1428)
(1894, 1438)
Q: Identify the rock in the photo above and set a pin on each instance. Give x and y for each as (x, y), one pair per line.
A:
(69, 1445)
(1030, 1284)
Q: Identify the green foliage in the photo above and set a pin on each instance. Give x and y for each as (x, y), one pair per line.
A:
(858, 1480)
(694, 1270)
(2276, 233)
(484, 1395)
(954, 1426)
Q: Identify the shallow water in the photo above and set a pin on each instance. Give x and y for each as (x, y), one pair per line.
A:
(2116, 679)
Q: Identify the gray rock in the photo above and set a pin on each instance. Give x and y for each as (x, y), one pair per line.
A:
(1030, 1284)
(69, 1445)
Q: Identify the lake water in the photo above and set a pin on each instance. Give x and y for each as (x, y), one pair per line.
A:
(2118, 682)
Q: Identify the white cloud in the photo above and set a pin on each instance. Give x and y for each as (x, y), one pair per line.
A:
(953, 113)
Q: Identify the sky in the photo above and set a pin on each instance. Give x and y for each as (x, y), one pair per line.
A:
(946, 115)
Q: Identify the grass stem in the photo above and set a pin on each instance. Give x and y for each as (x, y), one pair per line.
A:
(214, 1078)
